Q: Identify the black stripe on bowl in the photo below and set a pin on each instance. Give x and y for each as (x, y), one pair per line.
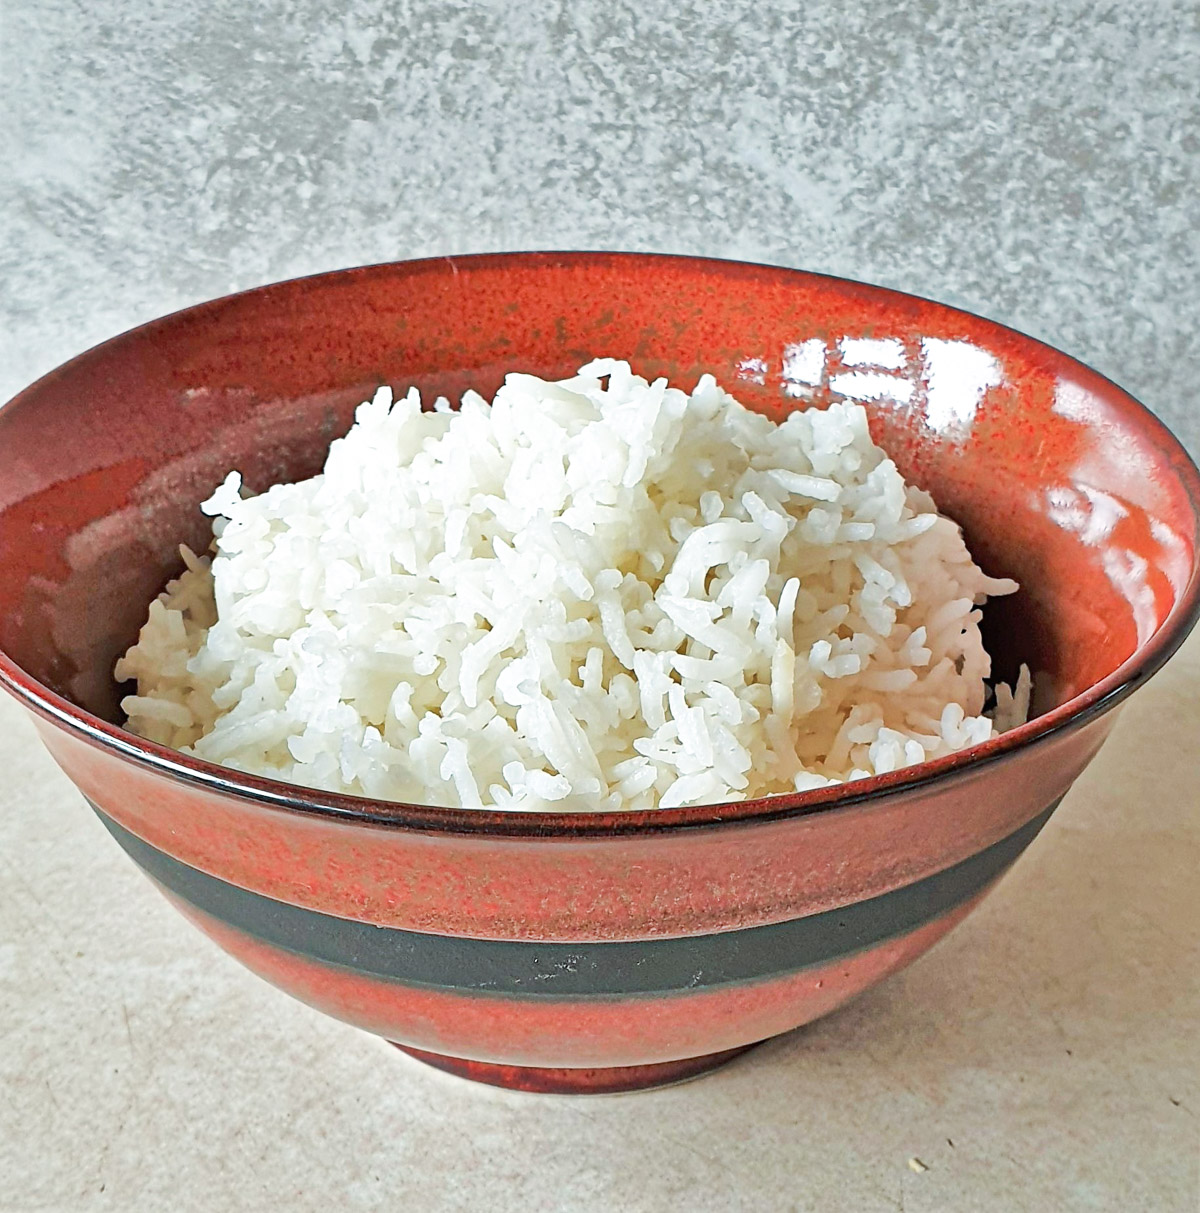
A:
(587, 969)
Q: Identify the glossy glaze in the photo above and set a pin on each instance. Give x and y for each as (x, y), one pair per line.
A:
(1059, 479)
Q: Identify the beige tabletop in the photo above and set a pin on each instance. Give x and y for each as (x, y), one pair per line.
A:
(1045, 1056)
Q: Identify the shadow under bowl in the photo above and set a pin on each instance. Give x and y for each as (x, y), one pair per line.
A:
(572, 951)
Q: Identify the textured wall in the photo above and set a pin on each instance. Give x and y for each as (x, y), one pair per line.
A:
(1033, 162)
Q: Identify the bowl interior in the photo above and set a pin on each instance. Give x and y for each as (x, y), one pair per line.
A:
(1057, 477)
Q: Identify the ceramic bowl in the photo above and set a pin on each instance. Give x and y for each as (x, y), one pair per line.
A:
(581, 952)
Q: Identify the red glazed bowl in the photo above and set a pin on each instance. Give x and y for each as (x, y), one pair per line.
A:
(582, 952)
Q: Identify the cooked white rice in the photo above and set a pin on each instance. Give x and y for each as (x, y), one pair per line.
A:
(595, 594)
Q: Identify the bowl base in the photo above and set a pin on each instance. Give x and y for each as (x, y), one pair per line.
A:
(570, 1081)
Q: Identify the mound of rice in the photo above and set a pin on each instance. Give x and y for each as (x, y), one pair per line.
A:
(600, 593)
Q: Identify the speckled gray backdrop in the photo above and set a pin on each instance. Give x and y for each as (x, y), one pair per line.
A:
(1033, 162)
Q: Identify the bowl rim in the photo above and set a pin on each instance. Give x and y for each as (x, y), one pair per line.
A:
(1094, 701)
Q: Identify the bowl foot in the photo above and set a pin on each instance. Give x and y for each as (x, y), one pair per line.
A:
(570, 1081)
